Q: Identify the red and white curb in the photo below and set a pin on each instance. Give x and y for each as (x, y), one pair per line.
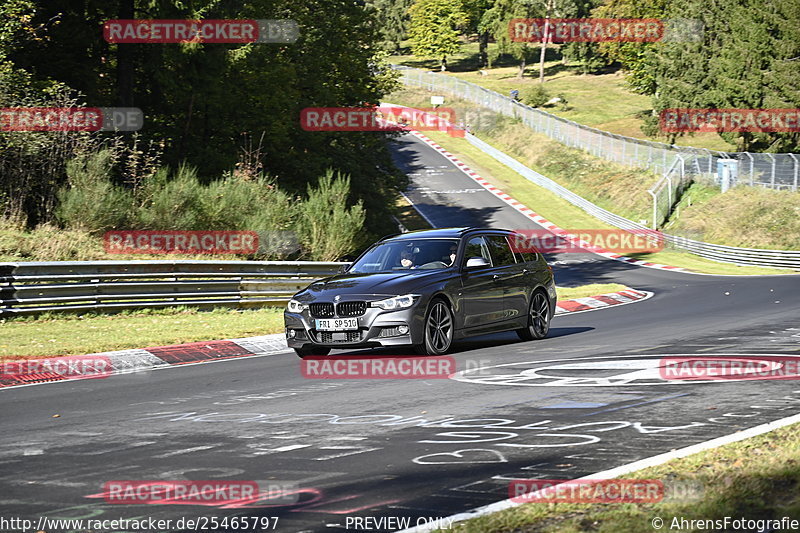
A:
(601, 301)
(145, 359)
(540, 220)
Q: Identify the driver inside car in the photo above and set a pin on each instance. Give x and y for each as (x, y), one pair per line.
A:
(407, 259)
(451, 258)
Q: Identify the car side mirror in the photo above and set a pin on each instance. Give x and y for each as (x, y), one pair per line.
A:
(475, 262)
(343, 268)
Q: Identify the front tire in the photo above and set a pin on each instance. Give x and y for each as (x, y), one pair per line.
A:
(438, 333)
(538, 318)
(313, 350)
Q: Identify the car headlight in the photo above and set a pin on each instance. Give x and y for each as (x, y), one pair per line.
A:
(396, 302)
(296, 307)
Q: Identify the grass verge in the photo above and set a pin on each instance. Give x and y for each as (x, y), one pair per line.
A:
(756, 478)
(593, 289)
(55, 334)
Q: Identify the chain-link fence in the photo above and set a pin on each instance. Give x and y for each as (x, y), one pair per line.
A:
(668, 189)
(775, 171)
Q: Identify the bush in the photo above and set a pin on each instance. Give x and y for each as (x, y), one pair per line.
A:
(327, 228)
(322, 225)
(90, 201)
(174, 203)
(535, 96)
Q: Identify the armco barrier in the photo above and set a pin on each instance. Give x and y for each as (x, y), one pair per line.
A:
(36, 287)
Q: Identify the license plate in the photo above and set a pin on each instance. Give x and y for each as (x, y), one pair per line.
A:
(337, 324)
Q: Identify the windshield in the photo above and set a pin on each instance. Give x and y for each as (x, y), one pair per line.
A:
(423, 254)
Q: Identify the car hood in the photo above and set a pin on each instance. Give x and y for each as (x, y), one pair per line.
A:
(362, 286)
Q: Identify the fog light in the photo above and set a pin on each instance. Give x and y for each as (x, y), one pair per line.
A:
(291, 333)
(402, 330)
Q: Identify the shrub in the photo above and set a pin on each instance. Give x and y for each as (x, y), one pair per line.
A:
(90, 201)
(326, 227)
(535, 96)
(174, 203)
(322, 226)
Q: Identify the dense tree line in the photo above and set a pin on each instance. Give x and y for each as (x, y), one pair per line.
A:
(203, 102)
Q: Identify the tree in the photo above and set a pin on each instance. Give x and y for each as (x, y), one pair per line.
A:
(392, 19)
(498, 19)
(747, 58)
(586, 54)
(435, 26)
(476, 11)
(632, 56)
(201, 100)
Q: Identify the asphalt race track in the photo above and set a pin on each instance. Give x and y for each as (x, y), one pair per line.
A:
(412, 449)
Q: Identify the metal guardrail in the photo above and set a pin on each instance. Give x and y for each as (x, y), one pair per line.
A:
(36, 287)
(775, 171)
(716, 252)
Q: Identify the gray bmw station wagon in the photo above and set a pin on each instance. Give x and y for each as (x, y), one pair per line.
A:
(426, 289)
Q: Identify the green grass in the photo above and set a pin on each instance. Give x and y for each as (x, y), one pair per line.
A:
(755, 478)
(558, 210)
(409, 217)
(750, 217)
(57, 334)
(593, 289)
(601, 100)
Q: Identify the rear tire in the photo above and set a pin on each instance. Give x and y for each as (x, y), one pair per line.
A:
(539, 317)
(314, 350)
(438, 329)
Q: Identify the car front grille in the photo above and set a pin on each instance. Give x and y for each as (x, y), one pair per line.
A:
(321, 309)
(327, 337)
(351, 308)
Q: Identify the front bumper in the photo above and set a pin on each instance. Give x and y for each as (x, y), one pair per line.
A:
(376, 328)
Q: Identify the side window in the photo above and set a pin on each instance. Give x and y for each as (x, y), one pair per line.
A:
(523, 247)
(501, 253)
(476, 247)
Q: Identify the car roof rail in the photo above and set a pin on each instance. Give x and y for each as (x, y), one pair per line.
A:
(389, 236)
